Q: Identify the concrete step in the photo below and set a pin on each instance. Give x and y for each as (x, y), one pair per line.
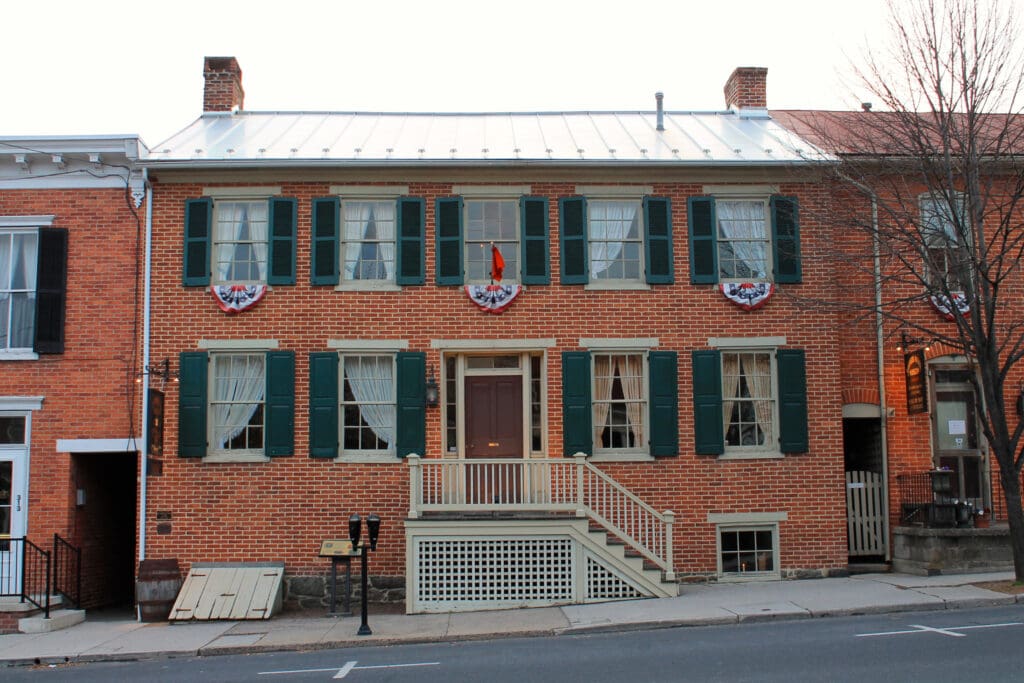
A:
(59, 619)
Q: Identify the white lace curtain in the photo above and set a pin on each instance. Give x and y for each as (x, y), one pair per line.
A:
(238, 392)
(743, 224)
(18, 258)
(610, 224)
(369, 227)
(241, 241)
(756, 369)
(629, 369)
(370, 378)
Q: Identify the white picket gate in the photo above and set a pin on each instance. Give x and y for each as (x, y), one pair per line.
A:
(865, 513)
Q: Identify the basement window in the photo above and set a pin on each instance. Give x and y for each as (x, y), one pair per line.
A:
(748, 552)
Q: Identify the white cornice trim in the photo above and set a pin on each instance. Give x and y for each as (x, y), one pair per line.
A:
(368, 344)
(237, 344)
(745, 342)
(247, 192)
(625, 191)
(491, 190)
(25, 221)
(491, 344)
(741, 190)
(97, 445)
(21, 402)
(747, 517)
(619, 342)
(369, 191)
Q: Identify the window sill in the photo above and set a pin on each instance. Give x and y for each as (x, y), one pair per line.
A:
(757, 455)
(619, 285)
(620, 457)
(386, 459)
(225, 458)
(749, 576)
(18, 355)
(368, 287)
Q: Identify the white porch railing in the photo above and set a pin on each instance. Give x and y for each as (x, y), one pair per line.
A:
(543, 484)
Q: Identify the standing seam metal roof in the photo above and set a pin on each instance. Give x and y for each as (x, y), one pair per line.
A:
(727, 137)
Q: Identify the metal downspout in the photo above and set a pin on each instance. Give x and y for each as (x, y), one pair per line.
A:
(145, 364)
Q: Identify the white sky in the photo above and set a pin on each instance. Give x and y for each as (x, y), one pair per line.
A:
(114, 67)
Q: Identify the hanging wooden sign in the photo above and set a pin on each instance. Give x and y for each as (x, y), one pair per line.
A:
(917, 384)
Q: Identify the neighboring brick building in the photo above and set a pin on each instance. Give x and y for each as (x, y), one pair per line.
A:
(370, 232)
(71, 231)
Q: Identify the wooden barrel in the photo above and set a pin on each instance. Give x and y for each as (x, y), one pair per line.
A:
(157, 588)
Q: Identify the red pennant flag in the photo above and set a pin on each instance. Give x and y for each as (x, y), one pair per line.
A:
(497, 264)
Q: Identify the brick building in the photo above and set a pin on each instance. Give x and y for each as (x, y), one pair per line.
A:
(324, 286)
(70, 248)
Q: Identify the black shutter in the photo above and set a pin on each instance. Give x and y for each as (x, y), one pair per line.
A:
(533, 213)
(572, 217)
(192, 369)
(709, 434)
(283, 218)
(664, 389)
(703, 242)
(326, 216)
(577, 415)
(786, 239)
(411, 268)
(198, 228)
(280, 393)
(448, 226)
(658, 240)
(51, 290)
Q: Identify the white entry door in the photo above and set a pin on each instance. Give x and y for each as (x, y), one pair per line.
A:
(13, 501)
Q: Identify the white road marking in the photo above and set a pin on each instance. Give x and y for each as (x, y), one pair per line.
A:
(349, 667)
(947, 631)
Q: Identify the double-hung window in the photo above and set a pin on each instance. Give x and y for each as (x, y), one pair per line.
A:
(946, 259)
(750, 399)
(33, 278)
(481, 217)
(613, 239)
(368, 237)
(742, 236)
(236, 401)
(367, 401)
(620, 402)
(239, 236)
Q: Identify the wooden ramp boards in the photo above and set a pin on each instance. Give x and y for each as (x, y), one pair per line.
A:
(220, 590)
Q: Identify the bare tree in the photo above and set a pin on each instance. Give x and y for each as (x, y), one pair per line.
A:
(941, 154)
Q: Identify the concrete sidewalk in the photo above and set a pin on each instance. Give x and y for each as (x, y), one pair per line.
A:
(700, 604)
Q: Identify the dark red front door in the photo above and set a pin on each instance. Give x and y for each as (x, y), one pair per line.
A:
(494, 429)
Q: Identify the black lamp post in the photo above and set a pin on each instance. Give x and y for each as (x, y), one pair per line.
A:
(355, 524)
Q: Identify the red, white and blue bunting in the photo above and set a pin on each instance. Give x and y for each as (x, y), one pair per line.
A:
(748, 295)
(940, 302)
(237, 298)
(493, 298)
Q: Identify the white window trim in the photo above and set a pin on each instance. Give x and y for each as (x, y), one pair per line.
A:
(643, 452)
(615, 191)
(741, 525)
(745, 342)
(366, 348)
(10, 222)
(228, 347)
(491, 191)
(492, 344)
(21, 403)
(618, 193)
(123, 445)
(379, 192)
(18, 354)
(769, 451)
(616, 344)
(514, 278)
(246, 193)
(741, 191)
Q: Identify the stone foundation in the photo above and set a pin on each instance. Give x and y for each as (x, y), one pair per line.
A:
(928, 552)
(313, 592)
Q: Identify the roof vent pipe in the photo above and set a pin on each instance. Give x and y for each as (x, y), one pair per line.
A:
(660, 97)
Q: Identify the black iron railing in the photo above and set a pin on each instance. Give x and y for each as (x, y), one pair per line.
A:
(25, 572)
(67, 571)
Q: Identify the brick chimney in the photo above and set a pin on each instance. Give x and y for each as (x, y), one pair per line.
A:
(746, 88)
(223, 89)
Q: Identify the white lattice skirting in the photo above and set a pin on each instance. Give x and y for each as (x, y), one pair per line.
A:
(460, 572)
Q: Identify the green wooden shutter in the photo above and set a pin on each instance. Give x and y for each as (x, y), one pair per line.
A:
(664, 394)
(198, 227)
(448, 224)
(411, 266)
(533, 214)
(792, 401)
(326, 229)
(708, 432)
(658, 240)
(577, 414)
(786, 239)
(412, 405)
(703, 244)
(280, 412)
(51, 290)
(572, 217)
(323, 405)
(283, 220)
(192, 369)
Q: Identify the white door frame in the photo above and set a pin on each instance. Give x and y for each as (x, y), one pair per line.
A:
(17, 455)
